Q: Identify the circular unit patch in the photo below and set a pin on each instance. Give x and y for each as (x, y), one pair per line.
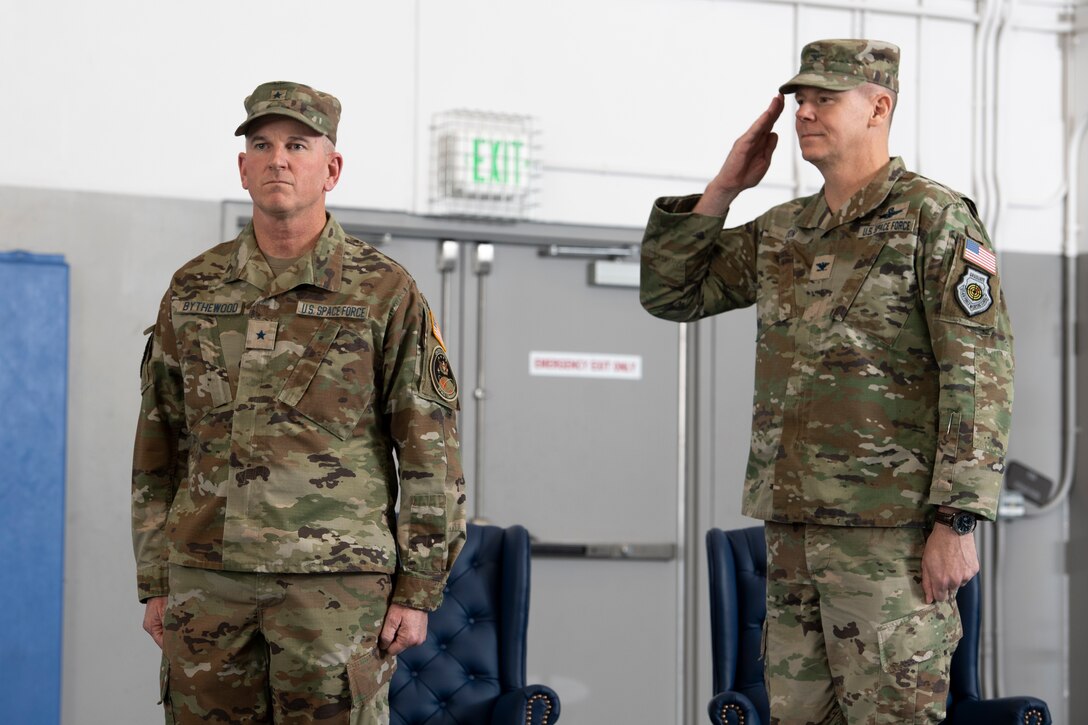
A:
(442, 376)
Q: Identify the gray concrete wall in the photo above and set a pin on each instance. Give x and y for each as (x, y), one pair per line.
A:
(122, 251)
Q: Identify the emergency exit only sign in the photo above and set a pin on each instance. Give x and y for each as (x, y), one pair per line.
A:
(585, 365)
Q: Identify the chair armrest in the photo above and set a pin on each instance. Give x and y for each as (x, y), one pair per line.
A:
(529, 705)
(1001, 711)
(732, 708)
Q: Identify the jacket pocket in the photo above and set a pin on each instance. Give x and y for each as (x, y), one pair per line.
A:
(369, 672)
(333, 381)
(775, 300)
(886, 298)
(207, 385)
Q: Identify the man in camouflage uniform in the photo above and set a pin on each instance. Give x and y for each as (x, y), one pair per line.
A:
(883, 391)
(295, 383)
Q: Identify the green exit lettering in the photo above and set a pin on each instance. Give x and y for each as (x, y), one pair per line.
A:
(496, 162)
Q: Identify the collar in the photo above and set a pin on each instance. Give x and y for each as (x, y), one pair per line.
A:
(322, 266)
(816, 215)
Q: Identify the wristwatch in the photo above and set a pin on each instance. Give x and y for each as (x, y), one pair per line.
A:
(962, 522)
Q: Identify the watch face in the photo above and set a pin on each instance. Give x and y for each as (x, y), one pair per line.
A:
(963, 523)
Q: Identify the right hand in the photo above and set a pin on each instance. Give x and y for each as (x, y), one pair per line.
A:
(153, 618)
(746, 164)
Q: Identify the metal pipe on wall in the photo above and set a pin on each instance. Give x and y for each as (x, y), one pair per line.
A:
(686, 643)
(483, 259)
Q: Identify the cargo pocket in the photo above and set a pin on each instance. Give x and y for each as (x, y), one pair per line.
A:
(164, 691)
(333, 381)
(915, 654)
(369, 673)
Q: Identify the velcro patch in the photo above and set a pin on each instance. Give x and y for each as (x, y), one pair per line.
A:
(436, 332)
(205, 307)
(978, 255)
(442, 376)
(821, 267)
(261, 335)
(313, 309)
(889, 227)
(973, 292)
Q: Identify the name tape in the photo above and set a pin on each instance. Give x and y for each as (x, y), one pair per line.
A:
(312, 309)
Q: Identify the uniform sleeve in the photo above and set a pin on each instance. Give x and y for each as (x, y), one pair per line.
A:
(422, 403)
(691, 267)
(973, 346)
(159, 455)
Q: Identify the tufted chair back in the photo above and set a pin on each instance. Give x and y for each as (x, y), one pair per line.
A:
(471, 668)
(738, 586)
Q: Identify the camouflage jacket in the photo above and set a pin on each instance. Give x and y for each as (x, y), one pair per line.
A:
(271, 412)
(884, 357)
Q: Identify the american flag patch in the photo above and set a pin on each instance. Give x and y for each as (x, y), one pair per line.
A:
(980, 256)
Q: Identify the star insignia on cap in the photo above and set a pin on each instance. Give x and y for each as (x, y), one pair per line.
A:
(260, 335)
(277, 94)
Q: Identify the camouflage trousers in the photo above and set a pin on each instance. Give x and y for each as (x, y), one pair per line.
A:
(849, 637)
(244, 648)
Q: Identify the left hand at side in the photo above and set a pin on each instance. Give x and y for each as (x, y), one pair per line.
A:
(404, 627)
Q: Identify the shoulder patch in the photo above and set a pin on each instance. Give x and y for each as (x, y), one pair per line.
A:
(973, 292)
(442, 376)
(436, 332)
(978, 255)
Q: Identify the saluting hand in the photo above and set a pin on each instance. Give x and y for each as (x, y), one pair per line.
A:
(746, 164)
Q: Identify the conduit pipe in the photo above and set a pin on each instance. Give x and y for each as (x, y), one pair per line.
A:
(985, 33)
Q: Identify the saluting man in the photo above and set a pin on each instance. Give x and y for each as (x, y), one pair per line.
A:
(294, 384)
(883, 390)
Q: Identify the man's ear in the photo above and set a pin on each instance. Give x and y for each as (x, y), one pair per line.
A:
(242, 169)
(882, 109)
(336, 165)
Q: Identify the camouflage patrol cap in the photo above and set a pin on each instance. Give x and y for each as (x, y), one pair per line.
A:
(839, 65)
(320, 111)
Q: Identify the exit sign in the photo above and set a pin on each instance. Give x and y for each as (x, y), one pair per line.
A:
(497, 165)
(484, 164)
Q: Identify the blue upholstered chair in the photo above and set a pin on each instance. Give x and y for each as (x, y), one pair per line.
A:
(738, 586)
(471, 669)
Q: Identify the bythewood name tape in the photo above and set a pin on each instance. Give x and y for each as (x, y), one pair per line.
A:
(585, 365)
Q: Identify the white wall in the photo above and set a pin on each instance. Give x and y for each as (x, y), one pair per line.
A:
(142, 98)
(634, 98)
